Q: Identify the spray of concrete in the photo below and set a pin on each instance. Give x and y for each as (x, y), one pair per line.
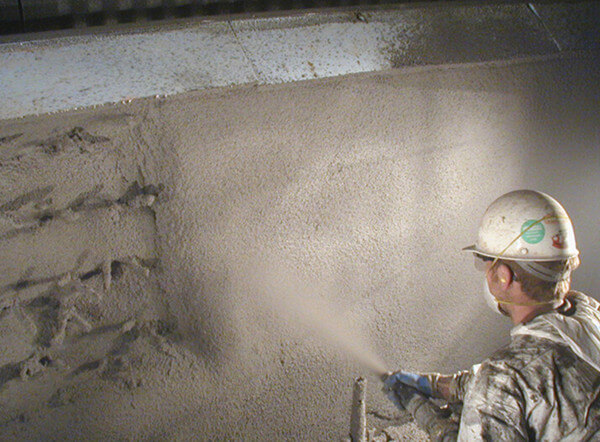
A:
(303, 305)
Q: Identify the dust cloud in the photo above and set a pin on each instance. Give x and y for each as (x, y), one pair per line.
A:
(305, 307)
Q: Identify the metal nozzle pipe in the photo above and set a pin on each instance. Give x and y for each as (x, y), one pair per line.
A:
(358, 421)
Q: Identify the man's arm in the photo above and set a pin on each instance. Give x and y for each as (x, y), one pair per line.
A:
(452, 388)
(494, 407)
(493, 404)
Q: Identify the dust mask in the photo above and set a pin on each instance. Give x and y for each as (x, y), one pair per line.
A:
(490, 299)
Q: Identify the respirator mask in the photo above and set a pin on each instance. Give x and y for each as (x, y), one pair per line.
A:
(490, 299)
(533, 268)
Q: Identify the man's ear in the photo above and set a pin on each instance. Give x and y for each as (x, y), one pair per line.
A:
(505, 275)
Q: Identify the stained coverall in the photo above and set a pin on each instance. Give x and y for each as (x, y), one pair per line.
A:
(544, 385)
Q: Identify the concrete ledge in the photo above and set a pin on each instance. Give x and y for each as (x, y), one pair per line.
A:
(67, 72)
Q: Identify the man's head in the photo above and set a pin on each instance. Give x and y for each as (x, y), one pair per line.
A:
(526, 244)
(537, 289)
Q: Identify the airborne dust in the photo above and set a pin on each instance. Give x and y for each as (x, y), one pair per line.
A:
(305, 306)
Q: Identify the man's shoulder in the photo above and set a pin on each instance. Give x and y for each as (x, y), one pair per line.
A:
(537, 345)
(582, 300)
(581, 295)
(523, 351)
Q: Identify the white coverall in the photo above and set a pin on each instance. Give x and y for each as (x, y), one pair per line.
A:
(545, 385)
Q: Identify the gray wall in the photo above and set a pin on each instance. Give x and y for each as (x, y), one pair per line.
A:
(369, 184)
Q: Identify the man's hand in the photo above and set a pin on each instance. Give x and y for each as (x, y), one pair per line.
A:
(428, 416)
(402, 395)
(420, 382)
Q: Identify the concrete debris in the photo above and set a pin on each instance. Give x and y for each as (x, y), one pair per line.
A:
(375, 436)
(57, 308)
(381, 416)
(33, 209)
(69, 216)
(78, 135)
(64, 280)
(76, 138)
(62, 396)
(34, 365)
(110, 270)
(9, 138)
(107, 274)
(84, 198)
(137, 196)
(142, 267)
(35, 196)
(65, 315)
(128, 326)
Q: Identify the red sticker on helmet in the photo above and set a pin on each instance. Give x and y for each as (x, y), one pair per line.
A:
(558, 241)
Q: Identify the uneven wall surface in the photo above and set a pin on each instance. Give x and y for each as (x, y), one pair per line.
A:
(133, 237)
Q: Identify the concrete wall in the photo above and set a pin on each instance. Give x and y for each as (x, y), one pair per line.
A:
(369, 184)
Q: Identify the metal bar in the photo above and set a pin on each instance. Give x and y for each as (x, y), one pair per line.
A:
(358, 420)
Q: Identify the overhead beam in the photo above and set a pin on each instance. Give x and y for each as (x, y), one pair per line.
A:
(58, 72)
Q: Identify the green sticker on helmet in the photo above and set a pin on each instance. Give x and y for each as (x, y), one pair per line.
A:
(533, 231)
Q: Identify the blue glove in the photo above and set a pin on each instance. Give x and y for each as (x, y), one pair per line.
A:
(405, 390)
(401, 394)
(414, 380)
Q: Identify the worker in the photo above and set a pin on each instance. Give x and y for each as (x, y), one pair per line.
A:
(545, 384)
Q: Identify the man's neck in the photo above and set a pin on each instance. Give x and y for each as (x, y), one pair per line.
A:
(520, 314)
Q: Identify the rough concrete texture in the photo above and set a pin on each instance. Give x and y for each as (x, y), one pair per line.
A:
(129, 312)
(56, 72)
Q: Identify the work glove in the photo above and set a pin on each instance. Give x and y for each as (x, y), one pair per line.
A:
(433, 419)
(420, 382)
(400, 393)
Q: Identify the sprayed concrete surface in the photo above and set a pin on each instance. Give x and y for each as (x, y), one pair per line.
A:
(207, 266)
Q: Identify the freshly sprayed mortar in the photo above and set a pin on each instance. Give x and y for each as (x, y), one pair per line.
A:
(367, 184)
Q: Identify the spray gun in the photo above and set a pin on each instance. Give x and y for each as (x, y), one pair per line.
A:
(358, 419)
(412, 392)
(409, 392)
(401, 388)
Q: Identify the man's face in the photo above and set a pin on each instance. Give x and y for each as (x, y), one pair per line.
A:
(485, 266)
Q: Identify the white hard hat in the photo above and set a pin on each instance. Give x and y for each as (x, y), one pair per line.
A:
(526, 225)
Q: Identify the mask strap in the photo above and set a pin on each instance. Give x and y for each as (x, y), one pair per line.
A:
(527, 304)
